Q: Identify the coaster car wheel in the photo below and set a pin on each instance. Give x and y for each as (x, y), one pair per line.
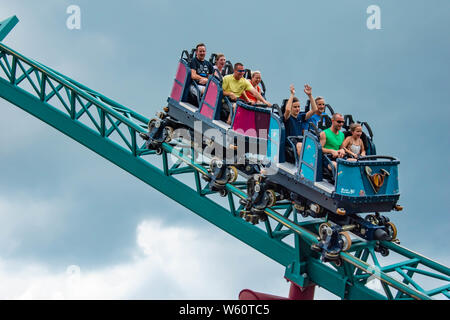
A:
(215, 163)
(346, 240)
(301, 209)
(151, 124)
(169, 134)
(233, 174)
(384, 251)
(272, 198)
(332, 256)
(324, 230)
(392, 230)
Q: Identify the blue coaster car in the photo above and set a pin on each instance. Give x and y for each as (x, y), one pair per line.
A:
(254, 143)
(243, 143)
(369, 185)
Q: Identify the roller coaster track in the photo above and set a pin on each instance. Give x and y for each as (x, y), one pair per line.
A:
(112, 131)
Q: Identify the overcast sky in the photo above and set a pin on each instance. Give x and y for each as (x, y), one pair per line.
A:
(73, 225)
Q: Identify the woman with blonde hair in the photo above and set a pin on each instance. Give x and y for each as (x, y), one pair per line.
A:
(353, 144)
(219, 65)
(255, 81)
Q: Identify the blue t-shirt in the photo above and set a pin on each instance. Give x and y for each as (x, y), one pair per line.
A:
(294, 126)
(315, 118)
(203, 68)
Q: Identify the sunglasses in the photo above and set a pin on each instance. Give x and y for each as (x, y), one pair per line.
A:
(240, 71)
(340, 121)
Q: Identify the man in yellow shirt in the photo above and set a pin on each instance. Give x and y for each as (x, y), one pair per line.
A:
(235, 84)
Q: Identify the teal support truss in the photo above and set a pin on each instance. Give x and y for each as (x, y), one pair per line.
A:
(6, 26)
(112, 131)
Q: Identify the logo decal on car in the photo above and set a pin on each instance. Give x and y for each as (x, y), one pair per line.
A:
(377, 179)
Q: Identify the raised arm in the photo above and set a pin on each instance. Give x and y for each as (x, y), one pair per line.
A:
(308, 92)
(287, 112)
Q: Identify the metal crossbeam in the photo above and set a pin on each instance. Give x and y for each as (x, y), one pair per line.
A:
(6, 26)
(288, 243)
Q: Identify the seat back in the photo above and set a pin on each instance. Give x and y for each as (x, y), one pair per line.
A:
(310, 162)
(348, 120)
(181, 82)
(211, 100)
(324, 122)
(251, 121)
(276, 140)
(228, 68)
(367, 138)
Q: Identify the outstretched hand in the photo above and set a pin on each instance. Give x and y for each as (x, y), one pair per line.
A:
(292, 89)
(308, 90)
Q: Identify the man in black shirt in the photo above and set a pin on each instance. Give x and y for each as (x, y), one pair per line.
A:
(201, 69)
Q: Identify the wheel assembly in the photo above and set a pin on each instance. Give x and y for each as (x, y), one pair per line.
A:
(272, 197)
(168, 131)
(325, 230)
(371, 219)
(233, 174)
(215, 163)
(392, 230)
(346, 240)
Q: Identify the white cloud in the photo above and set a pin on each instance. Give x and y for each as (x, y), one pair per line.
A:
(169, 263)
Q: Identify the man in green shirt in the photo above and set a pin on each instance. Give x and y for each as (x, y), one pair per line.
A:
(332, 138)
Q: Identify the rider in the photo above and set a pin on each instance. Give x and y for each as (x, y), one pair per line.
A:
(200, 69)
(293, 119)
(353, 144)
(235, 84)
(332, 138)
(219, 65)
(319, 112)
(255, 81)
